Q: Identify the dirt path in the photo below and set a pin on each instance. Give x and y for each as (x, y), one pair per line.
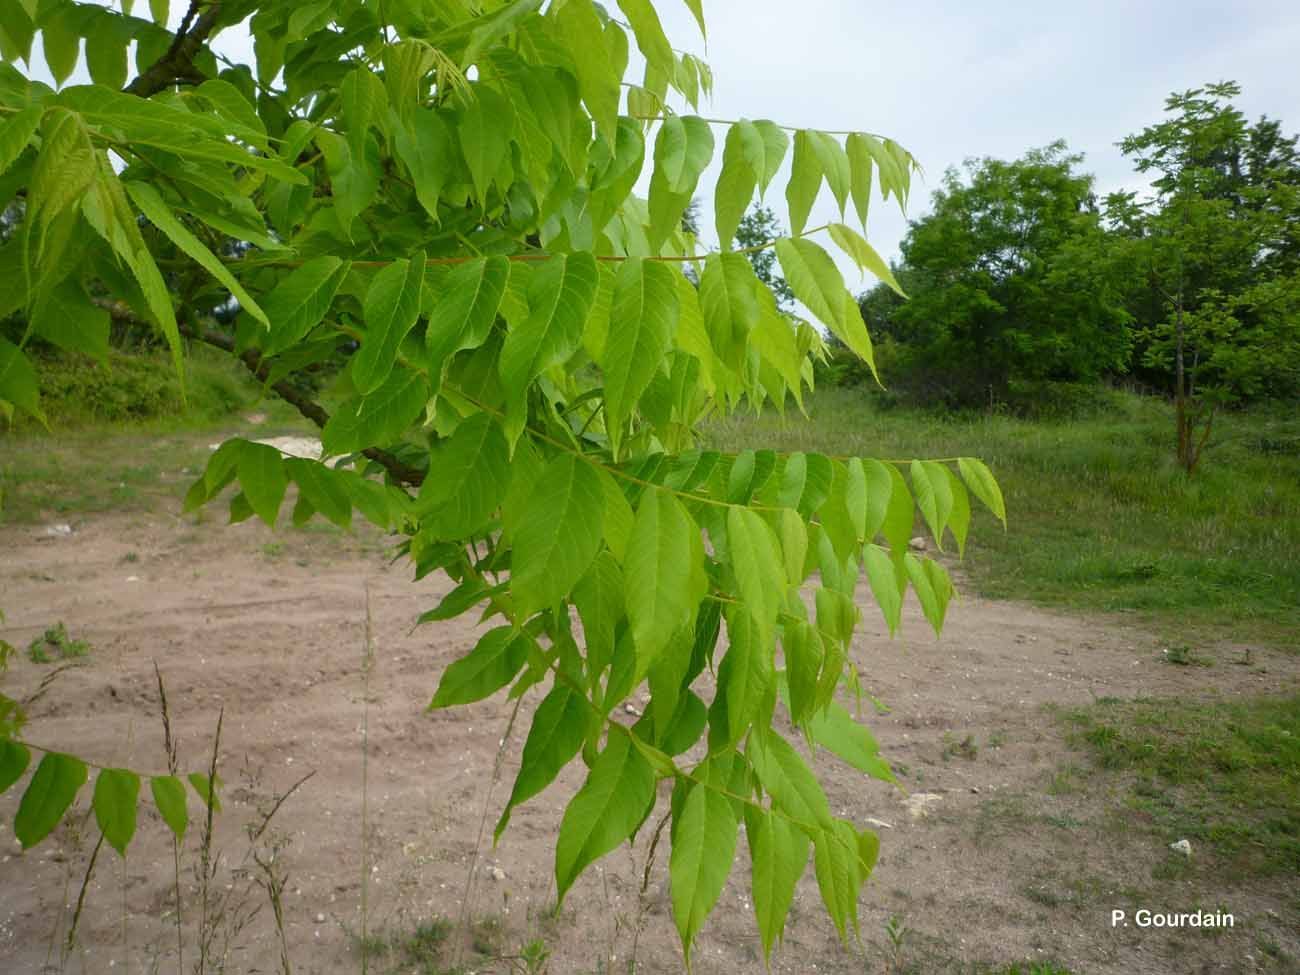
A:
(271, 626)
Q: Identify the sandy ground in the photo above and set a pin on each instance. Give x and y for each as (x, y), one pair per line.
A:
(271, 626)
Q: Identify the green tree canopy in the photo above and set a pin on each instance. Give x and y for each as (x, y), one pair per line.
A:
(1008, 280)
(443, 192)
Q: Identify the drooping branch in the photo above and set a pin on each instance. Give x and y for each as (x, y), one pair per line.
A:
(252, 360)
(177, 64)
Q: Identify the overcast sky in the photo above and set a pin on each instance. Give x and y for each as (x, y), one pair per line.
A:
(955, 80)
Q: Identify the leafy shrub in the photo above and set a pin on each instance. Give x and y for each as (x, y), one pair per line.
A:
(77, 389)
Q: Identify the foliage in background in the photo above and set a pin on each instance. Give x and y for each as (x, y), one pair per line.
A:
(1205, 558)
(1020, 277)
(441, 195)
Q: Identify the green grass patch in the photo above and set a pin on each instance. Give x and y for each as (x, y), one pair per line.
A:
(1101, 518)
(55, 644)
(121, 439)
(1224, 775)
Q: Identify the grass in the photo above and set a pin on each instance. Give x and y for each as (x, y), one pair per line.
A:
(1101, 518)
(1224, 775)
(90, 462)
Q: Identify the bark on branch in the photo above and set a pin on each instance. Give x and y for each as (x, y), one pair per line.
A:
(177, 64)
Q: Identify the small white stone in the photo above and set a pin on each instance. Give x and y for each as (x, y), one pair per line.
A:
(320, 918)
(1183, 847)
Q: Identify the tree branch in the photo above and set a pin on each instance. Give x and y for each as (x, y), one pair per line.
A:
(398, 469)
(178, 63)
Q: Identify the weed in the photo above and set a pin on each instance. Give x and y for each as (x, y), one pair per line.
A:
(966, 748)
(273, 550)
(1182, 655)
(55, 644)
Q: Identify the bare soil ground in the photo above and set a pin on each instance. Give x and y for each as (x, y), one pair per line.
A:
(1012, 863)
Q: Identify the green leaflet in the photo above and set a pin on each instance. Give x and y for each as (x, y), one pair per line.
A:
(788, 780)
(959, 519)
(427, 149)
(169, 797)
(62, 46)
(682, 151)
(863, 254)
(484, 130)
(766, 152)
(598, 598)
(556, 734)
(645, 308)
(559, 534)
(663, 571)
(835, 730)
(933, 588)
(704, 845)
(116, 793)
(757, 563)
(859, 174)
(843, 859)
(728, 299)
(778, 853)
(697, 9)
(746, 673)
(236, 110)
(742, 156)
(598, 77)
(816, 281)
(153, 206)
(206, 789)
(560, 294)
(805, 181)
(982, 484)
(490, 666)
(803, 662)
(365, 103)
(300, 300)
(14, 758)
(16, 132)
(159, 123)
(933, 493)
(262, 478)
(899, 516)
(18, 383)
(834, 164)
(886, 585)
(469, 474)
(618, 518)
(467, 304)
(322, 487)
(650, 37)
(391, 307)
(54, 785)
(606, 810)
(65, 168)
(380, 418)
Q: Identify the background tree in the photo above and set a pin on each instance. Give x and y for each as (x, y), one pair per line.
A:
(1219, 241)
(759, 226)
(1008, 280)
(526, 366)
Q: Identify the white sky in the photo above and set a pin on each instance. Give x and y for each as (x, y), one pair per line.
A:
(954, 80)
